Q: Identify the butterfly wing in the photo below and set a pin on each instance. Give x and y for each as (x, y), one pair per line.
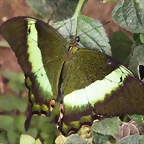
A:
(96, 85)
(40, 51)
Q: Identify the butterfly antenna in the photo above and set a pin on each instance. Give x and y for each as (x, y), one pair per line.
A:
(94, 28)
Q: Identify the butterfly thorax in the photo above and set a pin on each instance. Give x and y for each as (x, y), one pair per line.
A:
(72, 47)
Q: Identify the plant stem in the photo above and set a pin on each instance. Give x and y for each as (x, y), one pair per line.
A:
(75, 16)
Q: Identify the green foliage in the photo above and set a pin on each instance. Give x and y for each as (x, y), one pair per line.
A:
(108, 126)
(132, 139)
(6, 122)
(121, 47)
(142, 38)
(136, 58)
(129, 15)
(16, 80)
(61, 9)
(12, 119)
(26, 139)
(137, 118)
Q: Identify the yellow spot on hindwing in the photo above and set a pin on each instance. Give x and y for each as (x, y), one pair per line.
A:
(44, 108)
(32, 98)
(75, 124)
(85, 119)
(36, 107)
(28, 82)
(64, 127)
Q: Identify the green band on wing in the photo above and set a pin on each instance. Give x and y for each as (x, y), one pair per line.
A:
(35, 58)
(96, 91)
(34, 52)
(43, 83)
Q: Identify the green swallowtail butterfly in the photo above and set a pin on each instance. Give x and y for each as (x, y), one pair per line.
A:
(86, 82)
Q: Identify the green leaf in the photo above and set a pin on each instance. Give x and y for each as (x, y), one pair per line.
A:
(16, 80)
(37, 142)
(60, 139)
(85, 132)
(38, 121)
(137, 118)
(91, 32)
(129, 15)
(141, 4)
(137, 40)
(142, 38)
(21, 104)
(89, 141)
(49, 132)
(60, 9)
(74, 139)
(19, 123)
(132, 139)
(108, 126)
(3, 138)
(13, 136)
(7, 102)
(137, 58)
(32, 132)
(13, 76)
(100, 139)
(26, 139)
(6, 122)
(49, 128)
(44, 135)
(121, 47)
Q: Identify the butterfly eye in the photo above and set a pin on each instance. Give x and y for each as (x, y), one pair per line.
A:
(77, 39)
(52, 105)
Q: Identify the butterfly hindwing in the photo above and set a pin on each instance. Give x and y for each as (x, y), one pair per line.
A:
(96, 84)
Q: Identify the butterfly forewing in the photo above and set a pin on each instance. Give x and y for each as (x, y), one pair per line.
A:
(40, 51)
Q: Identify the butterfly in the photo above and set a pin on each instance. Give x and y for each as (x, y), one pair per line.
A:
(84, 82)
